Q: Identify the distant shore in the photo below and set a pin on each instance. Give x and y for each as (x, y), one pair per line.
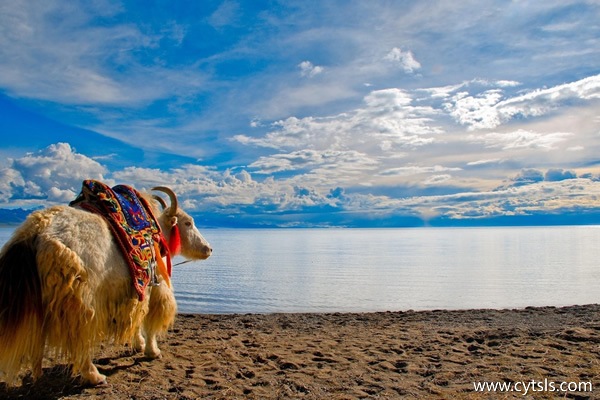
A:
(426, 354)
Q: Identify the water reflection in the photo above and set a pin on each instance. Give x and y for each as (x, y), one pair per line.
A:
(369, 270)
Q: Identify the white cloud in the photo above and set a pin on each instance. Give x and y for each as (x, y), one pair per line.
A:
(339, 163)
(308, 70)
(52, 173)
(535, 196)
(199, 186)
(9, 180)
(388, 116)
(476, 111)
(255, 123)
(445, 92)
(417, 169)
(144, 177)
(522, 139)
(542, 101)
(437, 179)
(507, 83)
(404, 59)
(490, 109)
(484, 162)
(442, 92)
(60, 196)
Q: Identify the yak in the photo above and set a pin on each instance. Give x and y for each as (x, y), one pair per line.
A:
(65, 287)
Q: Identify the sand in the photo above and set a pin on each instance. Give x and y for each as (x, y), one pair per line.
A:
(432, 354)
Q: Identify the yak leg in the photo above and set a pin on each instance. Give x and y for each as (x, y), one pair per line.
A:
(152, 350)
(161, 315)
(90, 374)
(37, 371)
(38, 357)
(139, 343)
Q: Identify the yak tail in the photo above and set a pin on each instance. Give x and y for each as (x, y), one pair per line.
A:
(21, 309)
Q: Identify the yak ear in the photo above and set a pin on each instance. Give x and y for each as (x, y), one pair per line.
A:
(173, 221)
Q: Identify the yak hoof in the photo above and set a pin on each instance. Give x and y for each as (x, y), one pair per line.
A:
(95, 379)
(99, 380)
(152, 354)
(102, 381)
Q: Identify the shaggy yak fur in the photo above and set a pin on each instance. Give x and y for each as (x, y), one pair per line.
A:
(65, 287)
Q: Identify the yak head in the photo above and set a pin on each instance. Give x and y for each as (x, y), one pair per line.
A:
(174, 221)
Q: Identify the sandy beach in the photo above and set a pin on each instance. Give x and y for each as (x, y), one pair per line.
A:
(431, 354)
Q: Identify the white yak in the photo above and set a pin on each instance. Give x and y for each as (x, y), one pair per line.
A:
(65, 286)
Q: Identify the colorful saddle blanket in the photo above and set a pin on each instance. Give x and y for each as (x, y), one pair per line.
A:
(133, 225)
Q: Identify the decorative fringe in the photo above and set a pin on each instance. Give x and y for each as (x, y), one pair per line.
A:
(163, 270)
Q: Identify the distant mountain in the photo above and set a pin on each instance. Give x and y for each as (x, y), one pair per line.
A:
(13, 216)
(584, 217)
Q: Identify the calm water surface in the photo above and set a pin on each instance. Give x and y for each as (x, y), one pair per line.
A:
(318, 270)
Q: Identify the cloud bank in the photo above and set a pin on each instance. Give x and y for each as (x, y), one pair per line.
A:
(54, 175)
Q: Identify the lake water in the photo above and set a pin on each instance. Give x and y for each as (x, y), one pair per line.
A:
(331, 270)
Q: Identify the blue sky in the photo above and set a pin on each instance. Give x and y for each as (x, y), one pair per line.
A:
(308, 113)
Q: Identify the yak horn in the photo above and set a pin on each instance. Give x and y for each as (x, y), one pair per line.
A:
(171, 195)
(160, 200)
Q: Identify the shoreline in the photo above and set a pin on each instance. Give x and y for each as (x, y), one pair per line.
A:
(394, 354)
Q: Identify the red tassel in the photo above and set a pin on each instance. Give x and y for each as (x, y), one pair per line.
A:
(175, 241)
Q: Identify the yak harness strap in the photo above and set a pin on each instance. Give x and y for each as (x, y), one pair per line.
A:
(134, 227)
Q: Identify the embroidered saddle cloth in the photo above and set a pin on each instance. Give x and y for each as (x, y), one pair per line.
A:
(133, 225)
